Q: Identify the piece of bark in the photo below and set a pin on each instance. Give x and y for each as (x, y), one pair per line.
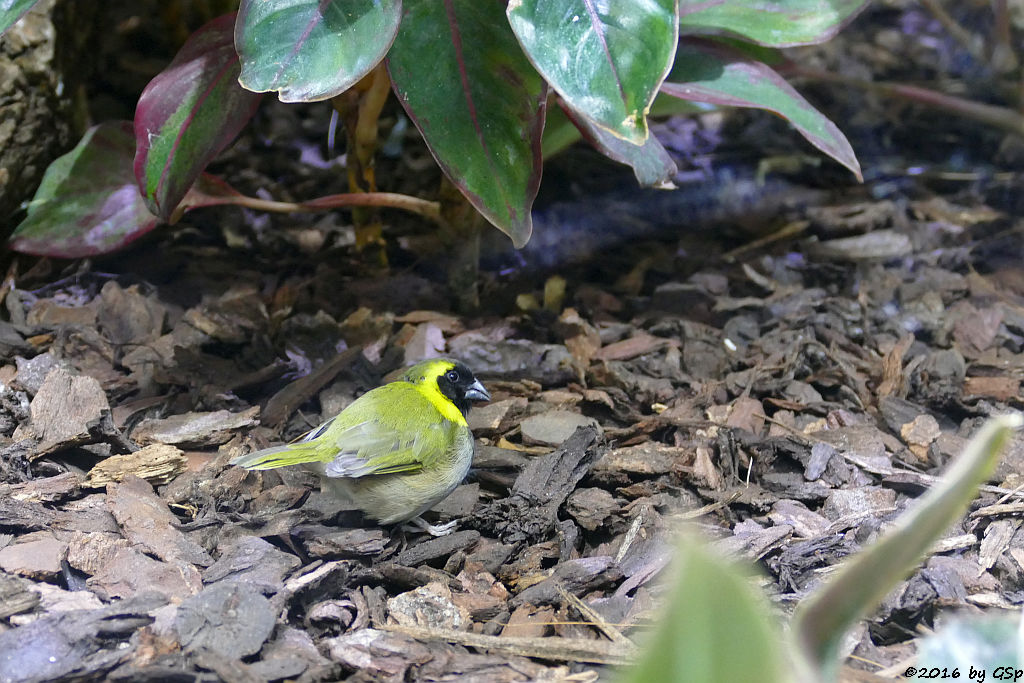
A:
(590, 507)
(529, 621)
(31, 516)
(460, 503)
(631, 348)
(129, 573)
(156, 463)
(379, 654)
(63, 410)
(90, 553)
(435, 548)
(37, 556)
(254, 563)
(647, 458)
(553, 427)
(16, 595)
(228, 618)
(46, 490)
(496, 416)
(149, 525)
(1003, 388)
(530, 512)
(428, 606)
(282, 404)
(325, 542)
(576, 576)
(126, 316)
(53, 599)
(196, 430)
(76, 645)
(427, 341)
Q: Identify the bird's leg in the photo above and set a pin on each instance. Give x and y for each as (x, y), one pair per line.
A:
(420, 524)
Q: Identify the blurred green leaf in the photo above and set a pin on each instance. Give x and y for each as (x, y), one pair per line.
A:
(187, 114)
(715, 626)
(12, 10)
(821, 621)
(605, 59)
(710, 72)
(309, 50)
(974, 643)
(777, 23)
(465, 83)
(88, 202)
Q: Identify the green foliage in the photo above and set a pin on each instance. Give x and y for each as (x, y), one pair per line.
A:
(969, 645)
(473, 75)
(715, 627)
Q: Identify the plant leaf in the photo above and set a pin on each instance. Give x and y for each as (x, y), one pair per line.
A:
(88, 202)
(709, 72)
(778, 23)
(976, 642)
(310, 50)
(186, 115)
(605, 59)
(820, 622)
(651, 164)
(714, 627)
(12, 10)
(464, 81)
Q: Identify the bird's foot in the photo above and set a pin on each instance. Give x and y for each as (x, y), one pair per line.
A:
(420, 524)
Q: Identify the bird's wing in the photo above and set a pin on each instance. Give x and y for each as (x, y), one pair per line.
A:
(362, 440)
(373, 448)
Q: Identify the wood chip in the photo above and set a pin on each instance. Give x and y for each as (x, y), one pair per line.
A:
(157, 463)
(149, 525)
(997, 388)
(196, 430)
(63, 410)
(632, 347)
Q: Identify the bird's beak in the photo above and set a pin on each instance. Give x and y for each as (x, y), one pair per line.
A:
(476, 392)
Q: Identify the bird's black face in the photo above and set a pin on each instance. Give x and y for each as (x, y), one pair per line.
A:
(460, 386)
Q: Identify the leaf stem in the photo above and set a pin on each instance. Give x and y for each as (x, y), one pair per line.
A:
(392, 200)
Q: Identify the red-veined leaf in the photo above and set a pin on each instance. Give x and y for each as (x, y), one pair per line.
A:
(708, 72)
(188, 114)
(88, 202)
(464, 81)
(606, 59)
(309, 50)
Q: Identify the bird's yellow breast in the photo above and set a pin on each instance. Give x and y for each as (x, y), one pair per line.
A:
(442, 403)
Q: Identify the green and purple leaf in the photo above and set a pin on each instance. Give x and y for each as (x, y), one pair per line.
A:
(463, 79)
(651, 164)
(186, 115)
(713, 73)
(777, 23)
(308, 50)
(714, 625)
(822, 621)
(605, 59)
(12, 10)
(88, 202)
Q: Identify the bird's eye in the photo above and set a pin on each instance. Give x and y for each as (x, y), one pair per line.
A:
(453, 376)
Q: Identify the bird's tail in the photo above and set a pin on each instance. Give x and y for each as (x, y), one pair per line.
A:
(278, 456)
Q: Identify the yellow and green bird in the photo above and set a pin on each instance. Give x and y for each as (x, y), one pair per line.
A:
(395, 451)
